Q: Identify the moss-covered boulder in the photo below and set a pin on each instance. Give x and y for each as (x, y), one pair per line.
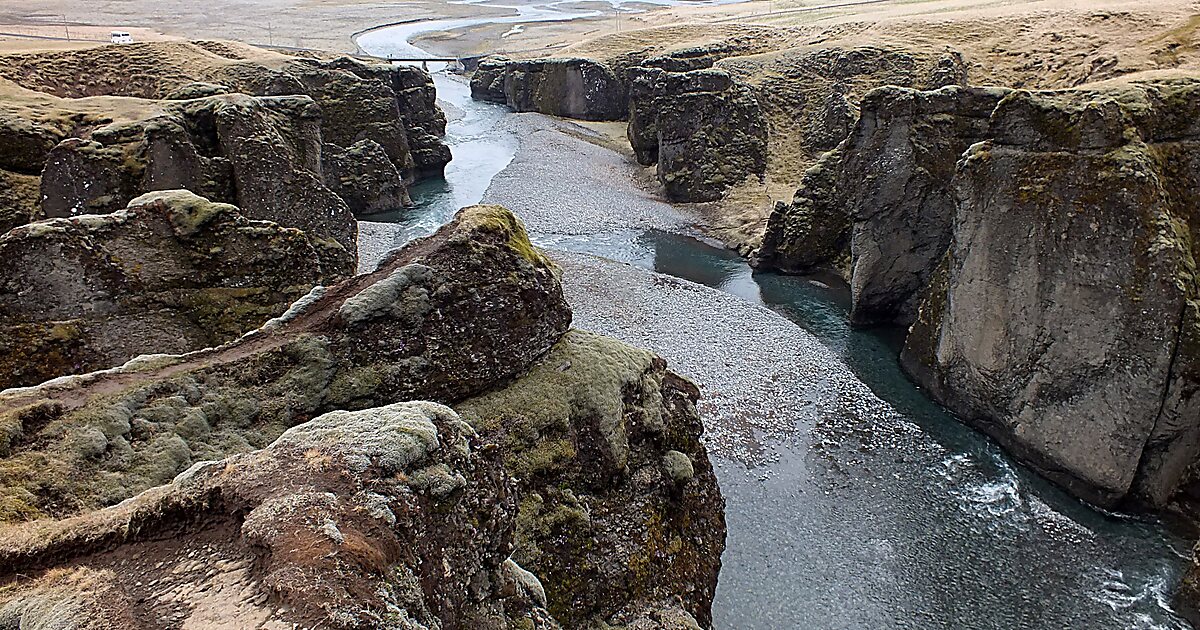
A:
(447, 317)
(173, 272)
(596, 437)
(394, 517)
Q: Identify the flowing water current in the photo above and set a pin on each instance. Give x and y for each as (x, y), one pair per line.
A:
(852, 500)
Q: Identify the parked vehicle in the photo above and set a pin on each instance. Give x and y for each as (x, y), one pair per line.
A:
(121, 37)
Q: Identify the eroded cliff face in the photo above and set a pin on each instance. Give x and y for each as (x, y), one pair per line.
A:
(217, 118)
(574, 88)
(262, 154)
(586, 470)
(880, 207)
(173, 272)
(1041, 245)
(1064, 318)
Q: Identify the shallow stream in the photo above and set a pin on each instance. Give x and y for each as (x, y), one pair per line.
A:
(852, 500)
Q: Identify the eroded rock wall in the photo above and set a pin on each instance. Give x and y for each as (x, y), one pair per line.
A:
(569, 87)
(172, 273)
(901, 160)
(262, 154)
(1042, 244)
(1063, 320)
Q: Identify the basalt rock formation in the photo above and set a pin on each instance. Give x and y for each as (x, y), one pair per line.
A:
(572, 87)
(225, 108)
(262, 154)
(416, 101)
(881, 205)
(364, 177)
(172, 273)
(359, 510)
(704, 131)
(1063, 320)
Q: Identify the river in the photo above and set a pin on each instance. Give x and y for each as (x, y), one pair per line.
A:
(852, 500)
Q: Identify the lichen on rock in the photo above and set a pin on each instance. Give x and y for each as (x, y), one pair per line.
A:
(602, 522)
(173, 272)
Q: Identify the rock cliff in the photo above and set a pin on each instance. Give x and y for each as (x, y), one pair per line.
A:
(574, 88)
(881, 207)
(1041, 245)
(173, 272)
(1062, 320)
(220, 105)
(262, 154)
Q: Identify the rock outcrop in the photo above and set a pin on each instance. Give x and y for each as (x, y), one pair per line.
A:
(227, 106)
(393, 517)
(571, 87)
(261, 154)
(1063, 320)
(880, 208)
(1052, 265)
(812, 231)
(416, 100)
(364, 177)
(619, 515)
(582, 490)
(172, 273)
(705, 131)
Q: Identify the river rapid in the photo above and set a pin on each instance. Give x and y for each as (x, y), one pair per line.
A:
(852, 500)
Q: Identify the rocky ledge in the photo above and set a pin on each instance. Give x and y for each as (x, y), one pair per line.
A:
(173, 272)
(284, 478)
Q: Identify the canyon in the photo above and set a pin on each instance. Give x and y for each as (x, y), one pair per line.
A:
(300, 339)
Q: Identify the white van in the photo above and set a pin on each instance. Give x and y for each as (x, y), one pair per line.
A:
(121, 37)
